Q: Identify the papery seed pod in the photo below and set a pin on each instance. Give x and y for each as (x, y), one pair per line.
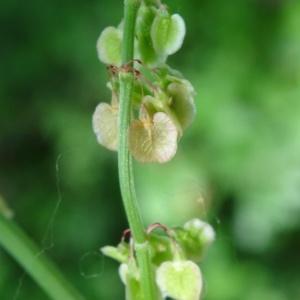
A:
(167, 33)
(182, 94)
(153, 139)
(105, 125)
(160, 101)
(180, 280)
(109, 46)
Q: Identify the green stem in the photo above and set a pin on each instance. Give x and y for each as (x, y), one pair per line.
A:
(43, 271)
(124, 157)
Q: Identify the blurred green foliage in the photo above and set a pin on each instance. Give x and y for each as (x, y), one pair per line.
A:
(238, 165)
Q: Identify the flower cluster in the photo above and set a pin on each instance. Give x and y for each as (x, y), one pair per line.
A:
(163, 100)
(174, 257)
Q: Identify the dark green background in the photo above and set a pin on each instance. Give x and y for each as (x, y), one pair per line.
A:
(238, 165)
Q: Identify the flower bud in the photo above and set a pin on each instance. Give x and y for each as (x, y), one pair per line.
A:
(167, 33)
(179, 280)
(195, 237)
(200, 230)
(119, 253)
(109, 46)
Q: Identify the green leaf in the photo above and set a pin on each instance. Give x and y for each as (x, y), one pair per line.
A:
(167, 33)
(181, 280)
(109, 46)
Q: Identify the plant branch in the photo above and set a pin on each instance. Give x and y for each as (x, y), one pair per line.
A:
(124, 158)
(43, 271)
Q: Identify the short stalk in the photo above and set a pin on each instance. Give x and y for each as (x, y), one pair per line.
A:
(124, 158)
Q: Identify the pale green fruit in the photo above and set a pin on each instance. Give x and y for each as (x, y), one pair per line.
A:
(144, 46)
(182, 95)
(167, 33)
(153, 140)
(194, 238)
(180, 280)
(109, 46)
(105, 125)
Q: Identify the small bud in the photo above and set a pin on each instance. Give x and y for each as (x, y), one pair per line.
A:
(120, 253)
(180, 280)
(167, 33)
(109, 46)
(105, 125)
(195, 237)
(182, 94)
(153, 139)
(201, 230)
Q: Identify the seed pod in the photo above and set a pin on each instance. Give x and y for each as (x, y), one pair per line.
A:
(153, 139)
(179, 280)
(144, 45)
(109, 46)
(182, 94)
(167, 33)
(105, 125)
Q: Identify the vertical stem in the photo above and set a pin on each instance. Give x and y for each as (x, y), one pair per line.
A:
(124, 158)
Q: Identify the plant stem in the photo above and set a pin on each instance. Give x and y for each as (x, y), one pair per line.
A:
(124, 158)
(43, 271)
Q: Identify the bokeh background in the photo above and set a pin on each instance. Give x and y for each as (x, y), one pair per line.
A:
(238, 165)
